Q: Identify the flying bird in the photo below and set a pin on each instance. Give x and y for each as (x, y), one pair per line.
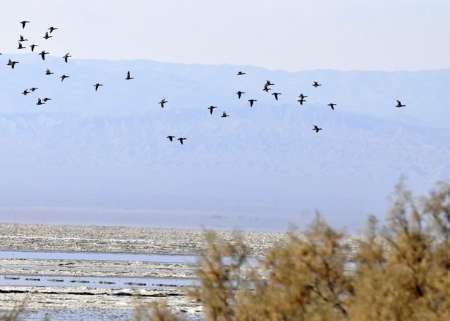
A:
(240, 93)
(66, 57)
(399, 104)
(12, 63)
(301, 96)
(25, 92)
(129, 76)
(269, 83)
(20, 46)
(46, 99)
(48, 72)
(51, 29)
(316, 84)
(33, 46)
(97, 86)
(170, 138)
(24, 23)
(332, 105)
(252, 102)
(47, 36)
(181, 140)
(317, 129)
(33, 89)
(211, 109)
(39, 102)
(43, 54)
(241, 73)
(225, 115)
(63, 77)
(22, 39)
(301, 101)
(267, 88)
(163, 102)
(276, 95)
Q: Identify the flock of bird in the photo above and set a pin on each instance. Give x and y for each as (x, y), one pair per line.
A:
(268, 86)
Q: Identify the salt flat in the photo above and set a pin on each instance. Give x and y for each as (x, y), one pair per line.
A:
(87, 269)
(109, 239)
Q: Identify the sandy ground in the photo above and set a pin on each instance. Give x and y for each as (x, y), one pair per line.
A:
(117, 303)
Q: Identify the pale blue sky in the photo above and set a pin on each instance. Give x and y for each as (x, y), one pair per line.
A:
(285, 34)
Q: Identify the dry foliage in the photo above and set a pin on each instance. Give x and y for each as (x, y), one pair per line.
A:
(154, 312)
(397, 272)
(14, 315)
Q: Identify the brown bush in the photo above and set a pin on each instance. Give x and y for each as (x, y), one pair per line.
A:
(400, 271)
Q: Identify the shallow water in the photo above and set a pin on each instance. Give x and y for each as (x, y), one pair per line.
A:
(89, 315)
(89, 256)
(92, 282)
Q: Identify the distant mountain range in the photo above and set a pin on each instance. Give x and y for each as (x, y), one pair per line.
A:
(258, 169)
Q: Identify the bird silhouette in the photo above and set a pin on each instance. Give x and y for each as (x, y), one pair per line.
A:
(276, 95)
(269, 83)
(399, 104)
(240, 93)
(12, 63)
(39, 102)
(48, 72)
(170, 138)
(163, 102)
(46, 99)
(47, 36)
(43, 54)
(51, 29)
(129, 76)
(25, 92)
(317, 129)
(301, 96)
(267, 88)
(97, 86)
(252, 102)
(63, 77)
(225, 115)
(66, 57)
(211, 109)
(24, 23)
(34, 89)
(22, 39)
(302, 101)
(332, 105)
(241, 73)
(181, 140)
(33, 46)
(20, 46)
(316, 84)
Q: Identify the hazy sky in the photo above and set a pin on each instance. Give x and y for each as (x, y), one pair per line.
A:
(286, 34)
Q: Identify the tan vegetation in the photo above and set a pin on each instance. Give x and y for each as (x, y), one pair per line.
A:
(397, 272)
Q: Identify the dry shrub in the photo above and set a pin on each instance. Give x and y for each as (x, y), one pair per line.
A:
(154, 312)
(400, 271)
(14, 315)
